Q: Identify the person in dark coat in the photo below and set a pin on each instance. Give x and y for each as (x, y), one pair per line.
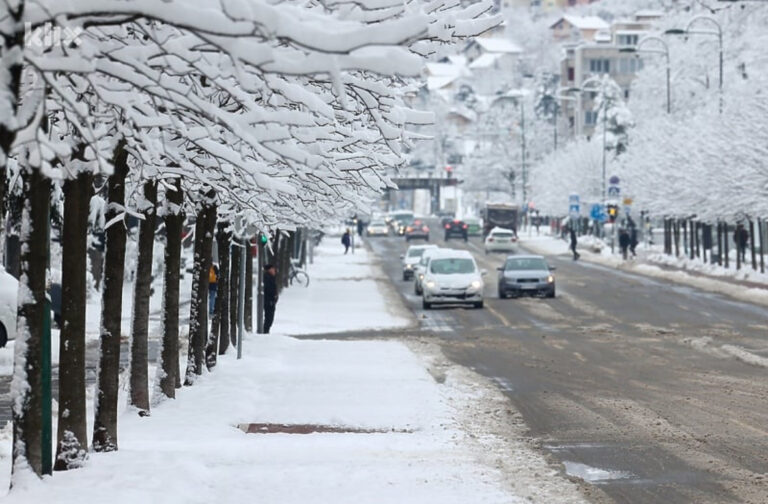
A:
(346, 240)
(270, 295)
(624, 241)
(574, 242)
(741, 238)
(632, 237)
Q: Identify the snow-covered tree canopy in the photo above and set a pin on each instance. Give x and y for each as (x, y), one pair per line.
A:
(290, 105)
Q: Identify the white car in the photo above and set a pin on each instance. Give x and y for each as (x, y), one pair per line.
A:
(419, 267)
(377, 228)
(501, 240)
(412, 257)
(452, 277)
(9, 289)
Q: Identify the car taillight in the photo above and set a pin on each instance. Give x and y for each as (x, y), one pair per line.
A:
(409, 229)
(425, 229)
(465, 226)
(447, 226)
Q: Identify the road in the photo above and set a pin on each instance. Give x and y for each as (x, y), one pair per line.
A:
(622, 378)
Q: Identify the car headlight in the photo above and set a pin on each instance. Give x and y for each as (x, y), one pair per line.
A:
(409, 266)
(431, 285)
(421, 276)
(476, 284)
(550, 279)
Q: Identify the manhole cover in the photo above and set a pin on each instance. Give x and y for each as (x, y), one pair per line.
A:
(272, 428)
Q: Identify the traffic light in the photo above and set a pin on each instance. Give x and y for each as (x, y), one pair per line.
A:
(613, 212)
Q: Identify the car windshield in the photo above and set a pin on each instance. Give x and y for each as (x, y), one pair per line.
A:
(526, 263)
(416, 252)
(454, 266)
(503, 235)
(378, 224)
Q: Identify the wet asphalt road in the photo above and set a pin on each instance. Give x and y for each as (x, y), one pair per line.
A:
(623, 379)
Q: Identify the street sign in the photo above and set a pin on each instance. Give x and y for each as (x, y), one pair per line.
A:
(597, 213)
(627, 201)
(574, 208)
(614, 191)
(614, 180)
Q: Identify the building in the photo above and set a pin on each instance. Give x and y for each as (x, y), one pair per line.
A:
(492, 61)
(598, 56)
(545, 5)
(578, 28)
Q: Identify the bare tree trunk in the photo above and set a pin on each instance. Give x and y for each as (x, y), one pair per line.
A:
(234, 289)
(169, 354)
(13, 238)
(107, 384)
(248, 286)
(139, 380)
(198, 318)
(223, 238)
(26, 387)
(72, 445)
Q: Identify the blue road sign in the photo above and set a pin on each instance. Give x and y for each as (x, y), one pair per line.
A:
(597, 212)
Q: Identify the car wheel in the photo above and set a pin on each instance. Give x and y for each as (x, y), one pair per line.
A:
(479, 304)
(502, 295)
(416, 290)
(3, 336)
(426, 305)
(551, 293)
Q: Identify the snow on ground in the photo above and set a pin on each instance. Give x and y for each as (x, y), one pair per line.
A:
(443, 433)
(346, 292)
(548, 245)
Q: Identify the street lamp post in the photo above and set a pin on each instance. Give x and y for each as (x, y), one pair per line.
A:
(601, 85)
(718, 33)
(665, 52)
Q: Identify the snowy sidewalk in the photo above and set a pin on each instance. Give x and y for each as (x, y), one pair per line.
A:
(427, 431)
(706, 277)
(346, 292)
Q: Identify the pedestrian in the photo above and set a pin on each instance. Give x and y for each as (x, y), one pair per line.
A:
(632, 236)
(741, 238)
(270, 295)
(360, 226)
(624, 241)
(574, 242)
(346, 240)
(213, 287)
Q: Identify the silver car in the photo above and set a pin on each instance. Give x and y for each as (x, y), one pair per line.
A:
(526, 275)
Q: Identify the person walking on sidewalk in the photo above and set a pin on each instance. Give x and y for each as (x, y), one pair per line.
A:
(624, 241)
(741, 238)
(346, 240)
(633, 240)
(213, 287)
(270, 295)
(574, 242)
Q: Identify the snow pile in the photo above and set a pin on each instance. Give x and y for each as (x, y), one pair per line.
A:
(345, 293)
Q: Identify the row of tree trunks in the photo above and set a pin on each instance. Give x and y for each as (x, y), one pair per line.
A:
(139, 378)
(198, 318)
(72, 443)
(105, 422)
(173, 217)
(28, 356)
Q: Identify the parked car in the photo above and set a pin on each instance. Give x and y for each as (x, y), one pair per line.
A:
(377, 228)
(455, 229)
(526, 275)
(417, 230)
(474, 228)
(9, 288)
(501, 240)
(412, 257)
(419, 267)
(452, 277)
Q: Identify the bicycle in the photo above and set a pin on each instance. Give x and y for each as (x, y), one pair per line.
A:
(297, 274)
